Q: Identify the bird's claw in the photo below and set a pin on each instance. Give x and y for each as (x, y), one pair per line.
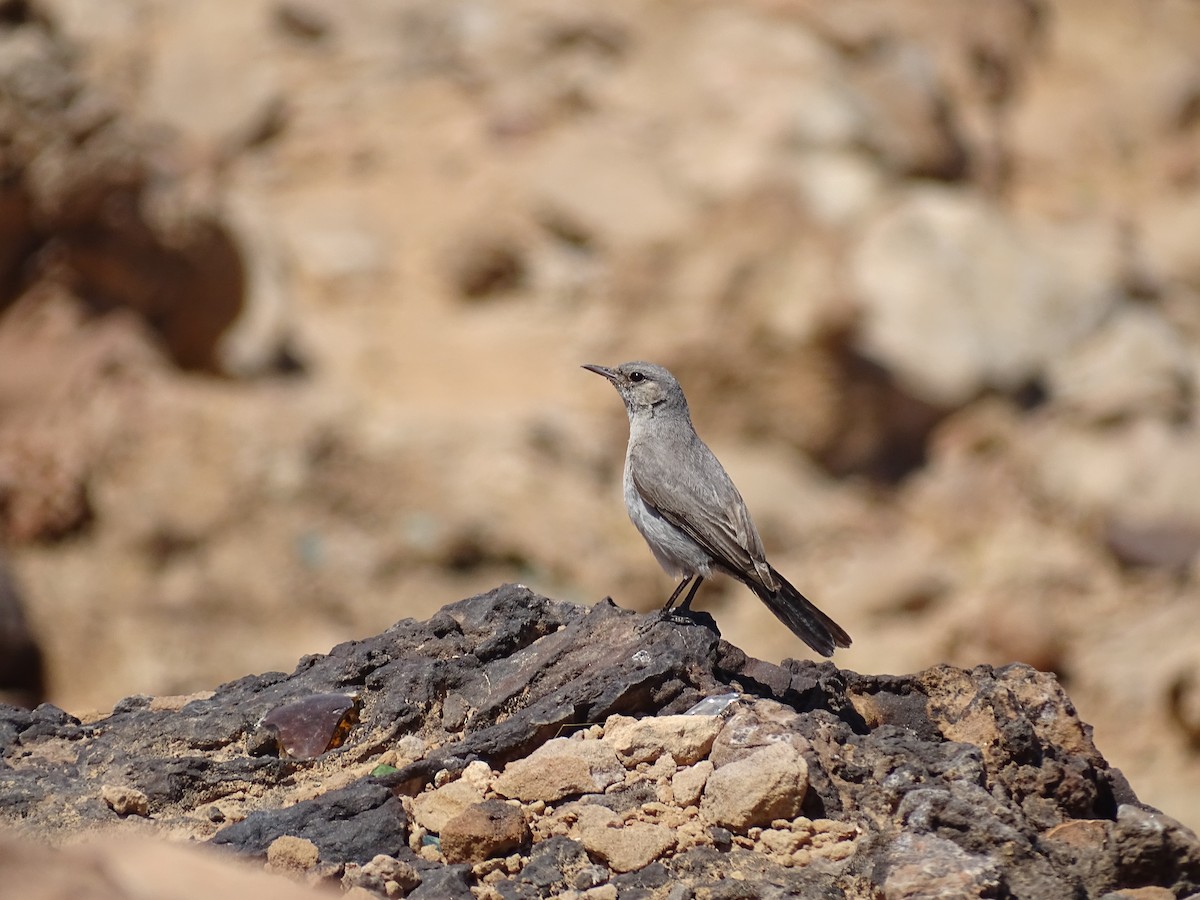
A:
(673, 616)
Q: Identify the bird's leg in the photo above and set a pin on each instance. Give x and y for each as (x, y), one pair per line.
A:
(686, 605)
(679, 590)
(681, 614)
(665, 614)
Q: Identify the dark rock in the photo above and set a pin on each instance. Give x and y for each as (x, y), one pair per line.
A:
(353, 824)
(553, 864)
(444, 883)
(132, 704)
(13, 720)
(644, 883)
(722, 838)
(1148, 848)
(590, 876)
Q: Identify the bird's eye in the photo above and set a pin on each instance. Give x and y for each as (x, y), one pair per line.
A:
(635, 377)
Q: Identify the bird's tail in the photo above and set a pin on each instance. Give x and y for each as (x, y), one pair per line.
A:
(799, 614)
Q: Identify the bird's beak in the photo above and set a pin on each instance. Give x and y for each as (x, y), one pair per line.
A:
(603, 370)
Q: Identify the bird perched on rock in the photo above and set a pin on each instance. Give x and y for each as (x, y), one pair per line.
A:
(686, 507)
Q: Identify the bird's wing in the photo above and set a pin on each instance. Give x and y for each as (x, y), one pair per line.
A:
(692, 491)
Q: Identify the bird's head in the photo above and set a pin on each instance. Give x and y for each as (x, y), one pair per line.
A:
(643, 386)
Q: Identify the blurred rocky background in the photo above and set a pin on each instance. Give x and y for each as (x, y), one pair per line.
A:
(293, 297)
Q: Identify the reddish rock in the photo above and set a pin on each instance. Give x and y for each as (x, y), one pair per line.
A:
(483, 830)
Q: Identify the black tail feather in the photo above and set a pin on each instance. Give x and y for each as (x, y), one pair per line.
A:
(799, 614)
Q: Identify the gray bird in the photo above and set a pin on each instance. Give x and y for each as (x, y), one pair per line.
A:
(684, 504)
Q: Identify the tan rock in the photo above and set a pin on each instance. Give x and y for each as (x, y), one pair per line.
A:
(561, 768)
(686, 739)
(768, 784)
(781, 841)
(433, 809)
(663, 767)
(687, 784)
(484, 830)
(629, 847)
(585, 816)
(291, 852)
(125, 801)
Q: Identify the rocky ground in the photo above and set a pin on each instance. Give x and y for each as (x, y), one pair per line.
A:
(293, 295)
(517, 747)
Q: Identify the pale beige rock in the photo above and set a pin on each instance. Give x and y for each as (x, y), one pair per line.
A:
(957, 296)
(589, 179)
(561, 768)
(629, 847)
(768, 784)
(478, 774)
(688, 784)
(1168, 239)
(433, 809)
(253, 343)
(1136, 364)
(685, 738)
(223, 103)
(1141, 470)
(907, 101)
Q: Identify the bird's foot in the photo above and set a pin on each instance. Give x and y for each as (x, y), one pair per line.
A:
(677, 616)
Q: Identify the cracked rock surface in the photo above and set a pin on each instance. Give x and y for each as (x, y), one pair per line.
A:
(568, 762)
